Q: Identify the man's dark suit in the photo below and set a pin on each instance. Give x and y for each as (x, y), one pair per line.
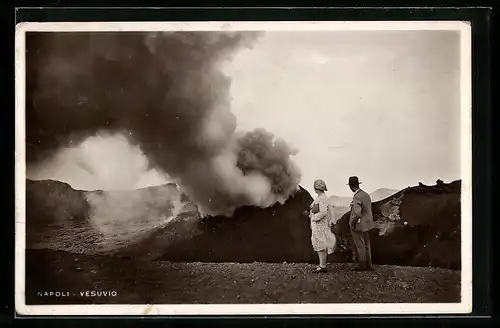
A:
(360, 222)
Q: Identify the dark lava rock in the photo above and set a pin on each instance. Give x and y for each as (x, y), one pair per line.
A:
(276, 234)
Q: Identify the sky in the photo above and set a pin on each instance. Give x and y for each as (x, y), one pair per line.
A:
(382, 105)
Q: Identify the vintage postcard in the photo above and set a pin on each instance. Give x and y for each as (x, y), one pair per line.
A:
(243, 168)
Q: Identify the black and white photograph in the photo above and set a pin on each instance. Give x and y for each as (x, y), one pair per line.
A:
(243, 168)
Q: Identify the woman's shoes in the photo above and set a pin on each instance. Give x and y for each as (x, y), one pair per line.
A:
(320, 270)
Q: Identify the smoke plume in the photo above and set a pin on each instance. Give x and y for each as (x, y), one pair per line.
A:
(139, 212)
(166, 93)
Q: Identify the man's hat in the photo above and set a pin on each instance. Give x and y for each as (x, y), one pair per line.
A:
(353, 181)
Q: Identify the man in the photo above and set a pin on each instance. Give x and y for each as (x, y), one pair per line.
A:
(360, 222)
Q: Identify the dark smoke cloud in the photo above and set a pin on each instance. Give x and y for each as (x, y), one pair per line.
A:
(166, 93)
(260, 152)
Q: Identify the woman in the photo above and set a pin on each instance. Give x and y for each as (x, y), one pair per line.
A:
(322, 238)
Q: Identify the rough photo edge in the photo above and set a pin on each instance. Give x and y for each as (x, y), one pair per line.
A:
(464, 307)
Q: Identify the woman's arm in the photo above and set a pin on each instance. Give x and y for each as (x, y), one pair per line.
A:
(323, 211)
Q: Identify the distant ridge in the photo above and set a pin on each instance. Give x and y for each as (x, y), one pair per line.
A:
(48, 181)
(382, 193)
(339, 201)
(345, 201)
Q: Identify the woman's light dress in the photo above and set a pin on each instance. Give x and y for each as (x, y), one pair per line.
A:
(321, 235)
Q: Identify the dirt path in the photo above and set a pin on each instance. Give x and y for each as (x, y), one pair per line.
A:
(141, 282)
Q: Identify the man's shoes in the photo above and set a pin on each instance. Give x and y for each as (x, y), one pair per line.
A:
(320, 270)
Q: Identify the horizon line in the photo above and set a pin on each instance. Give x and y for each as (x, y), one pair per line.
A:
(175, 184)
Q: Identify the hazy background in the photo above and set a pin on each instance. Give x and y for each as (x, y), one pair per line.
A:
(381, 105)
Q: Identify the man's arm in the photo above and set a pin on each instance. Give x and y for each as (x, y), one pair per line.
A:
(356, 211)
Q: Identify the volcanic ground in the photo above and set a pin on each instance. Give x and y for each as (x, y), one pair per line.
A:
(154, 237)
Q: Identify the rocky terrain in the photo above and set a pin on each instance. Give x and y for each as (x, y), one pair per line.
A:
(418, 226)
(152, 246)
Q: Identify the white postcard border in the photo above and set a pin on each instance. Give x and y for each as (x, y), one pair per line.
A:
(465, 306)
